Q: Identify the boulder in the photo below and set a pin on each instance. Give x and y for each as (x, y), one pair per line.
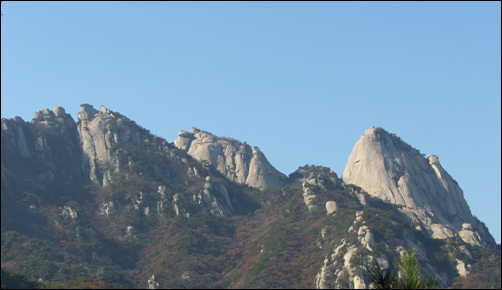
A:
(331, 207)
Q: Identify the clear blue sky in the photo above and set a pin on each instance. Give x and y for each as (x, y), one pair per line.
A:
(300, 80)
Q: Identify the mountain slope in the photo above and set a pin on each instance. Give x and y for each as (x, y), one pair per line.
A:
(104, 199)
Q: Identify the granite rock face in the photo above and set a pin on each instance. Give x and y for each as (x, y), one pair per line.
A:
(315, 182)
(99, 132)
(97, 138)
(14, 136)
(236, 160)
(214, 196)
(51, 138)
(386, 167)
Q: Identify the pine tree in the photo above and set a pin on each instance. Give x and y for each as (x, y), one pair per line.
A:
(409, 268)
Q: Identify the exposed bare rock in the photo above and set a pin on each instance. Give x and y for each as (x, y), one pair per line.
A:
(87, 112)
(193, 172)
(178, 209)
(14, 138)
(161, 203)
(359, 194)
(342, 267)
(68, 212)
(185, 276)
(99, 132)
(462, 268)
(470, 236)
(331, 207)
(50, 138)
(17, 135)
(386, 167)
(365, 236)
(323, 276)
(310, 192)
(359, 282)
(236, 160)
(96, 143)
(130, 231)
(315, 181)
(183, 140)
(109, 208)
(152, 284)
(215, 197)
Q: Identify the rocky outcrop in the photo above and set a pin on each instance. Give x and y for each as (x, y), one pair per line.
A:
(331, 207)
(30, 140)
(386, 167)
(315, 181)
(469, 235)
(310, 192)
(14, 136)
(99, 132)
(342, 266)
(69, 213)
(214, 196)
(97, 137)
(236, 160)
(109, 208)
(152, 284)
(358, 249)
(50, 138)
(462, 268)
(178, 209)
(57, 120)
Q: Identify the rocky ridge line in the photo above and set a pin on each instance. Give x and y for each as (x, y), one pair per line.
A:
(236, 160)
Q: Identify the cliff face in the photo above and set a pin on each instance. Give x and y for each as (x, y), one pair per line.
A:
(50, 138)
(236, 160)
(99, 131)
(387, 168)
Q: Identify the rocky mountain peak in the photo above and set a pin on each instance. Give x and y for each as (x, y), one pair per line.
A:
(99, 132)
(234, 159)
(87, 112)
(386, 167)
(57, 118)
(433, 159)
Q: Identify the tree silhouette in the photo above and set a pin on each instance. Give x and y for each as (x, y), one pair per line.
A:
(409, 270)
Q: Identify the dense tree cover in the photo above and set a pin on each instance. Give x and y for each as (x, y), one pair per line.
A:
(17, 281)
(484, 270)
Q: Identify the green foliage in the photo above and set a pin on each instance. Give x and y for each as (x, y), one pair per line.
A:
(484, 271)
(381, 279)
(410, 278)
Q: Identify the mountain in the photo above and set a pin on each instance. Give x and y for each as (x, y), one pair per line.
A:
(102, 202)
(387, 168)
